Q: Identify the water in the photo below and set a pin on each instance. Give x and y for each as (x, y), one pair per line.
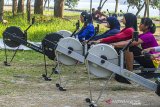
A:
(111, 7)
(85, 4)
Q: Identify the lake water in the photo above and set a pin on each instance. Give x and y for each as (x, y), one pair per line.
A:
(111, 6)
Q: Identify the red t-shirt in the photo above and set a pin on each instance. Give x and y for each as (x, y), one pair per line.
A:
(125, 34)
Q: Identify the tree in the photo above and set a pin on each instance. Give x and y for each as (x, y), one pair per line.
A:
(14, 7)
(139, 4)
(38, 7)
(71, 3)
(145, 10)
(102, 3)
(58, 8)
(155, 3)
(116, 7)
(45, 2)
(20, 6)
(28, 10)
(1, 10)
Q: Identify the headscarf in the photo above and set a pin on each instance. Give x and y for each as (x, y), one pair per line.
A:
(113, 22)
(87, 17)
(131, 21)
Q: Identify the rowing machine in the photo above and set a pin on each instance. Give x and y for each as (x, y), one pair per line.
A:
(104, 61)
(70, 51)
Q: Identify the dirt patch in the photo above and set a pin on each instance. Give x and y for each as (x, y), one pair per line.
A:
(45, 94)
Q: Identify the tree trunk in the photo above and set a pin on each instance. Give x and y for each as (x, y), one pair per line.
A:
(1, 10)
(45, 2)
(38, 7)
(139, 10)
(100, 3)
(148, 2)
(145, 10)
(14, 7)
(128, 8)
(116, 7)
(28, 10)
(104, 3)
(20, 6)
(58, 8)
(48, 4)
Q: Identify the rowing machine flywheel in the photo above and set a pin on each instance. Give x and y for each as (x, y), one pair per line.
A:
(105, 52)
(73, 45)
(65, 33)
(11, 34)
(49, 44)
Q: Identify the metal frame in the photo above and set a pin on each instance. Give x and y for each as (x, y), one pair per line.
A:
(117, 70)
(123, 72)
(72, 54)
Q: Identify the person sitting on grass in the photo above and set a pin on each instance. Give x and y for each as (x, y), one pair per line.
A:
(87, 30)
(94, 16)
(98, 15)
(114, 28)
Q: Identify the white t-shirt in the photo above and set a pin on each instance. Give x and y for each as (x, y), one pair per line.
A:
(157, 49)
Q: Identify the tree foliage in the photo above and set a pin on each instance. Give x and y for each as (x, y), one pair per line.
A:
(155, 3)
(71, 3)
(135, 3)
(139, 4)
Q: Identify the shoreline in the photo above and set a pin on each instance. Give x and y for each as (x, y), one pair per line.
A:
(9, 8)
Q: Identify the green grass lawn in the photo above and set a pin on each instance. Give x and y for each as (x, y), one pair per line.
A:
(45, 24)
(42, 26)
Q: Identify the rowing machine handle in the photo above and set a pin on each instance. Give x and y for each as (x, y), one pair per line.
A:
(158, 86)
(33, 20)
(25, 31)
(97, 29)
(78, 24)
(77, 28)
(135, 36)
(108, 11)
(96, 32)
(121, 11)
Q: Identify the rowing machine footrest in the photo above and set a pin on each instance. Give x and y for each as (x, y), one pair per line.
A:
(158, 87)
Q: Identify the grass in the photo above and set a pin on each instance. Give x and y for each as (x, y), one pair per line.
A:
(27, 67)
(31, 59)
(24, 76)
(43, 25)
